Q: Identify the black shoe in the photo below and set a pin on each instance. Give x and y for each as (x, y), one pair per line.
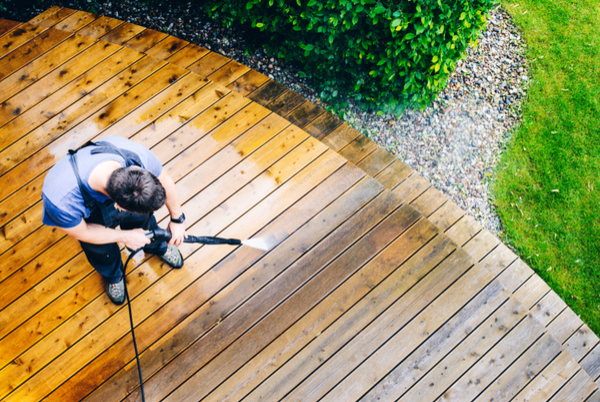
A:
(116, 291)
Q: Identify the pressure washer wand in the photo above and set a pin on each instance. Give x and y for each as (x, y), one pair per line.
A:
(159, 235)
(262, 243)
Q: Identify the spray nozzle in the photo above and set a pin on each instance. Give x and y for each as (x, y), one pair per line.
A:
(159, 235)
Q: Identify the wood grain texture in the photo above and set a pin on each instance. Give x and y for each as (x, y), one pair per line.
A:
(7, 25)
(581, 342)
(579, 387)
(30, 51)
(468, 353)
(323, 125)
(267, 92)
(431, 352)
(248, 82)
(340, 137)
(550, 380)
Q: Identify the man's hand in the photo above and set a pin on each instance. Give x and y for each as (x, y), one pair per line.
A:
(135, 238)
(177, 233)
(98, 234)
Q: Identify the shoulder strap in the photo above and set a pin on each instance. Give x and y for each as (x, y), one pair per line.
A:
(131, 158)
(87, 144)
(88, 201)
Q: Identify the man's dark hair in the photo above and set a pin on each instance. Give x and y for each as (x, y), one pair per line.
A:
(136, 190)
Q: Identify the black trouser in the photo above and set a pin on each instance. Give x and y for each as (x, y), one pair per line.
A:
(106, 258)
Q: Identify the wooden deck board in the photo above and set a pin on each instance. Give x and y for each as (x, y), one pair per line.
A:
(350, 305)
(30, 51)
(550, 380)
(403, 342)
(7, 25)
(248, 82)
(430, 353)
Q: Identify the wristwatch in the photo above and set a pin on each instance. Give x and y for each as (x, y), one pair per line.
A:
(181, 219)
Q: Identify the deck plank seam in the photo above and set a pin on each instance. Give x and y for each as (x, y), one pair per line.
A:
(587, 352)
(178, 50)
(383, 168)
(11, 29)
(147, 47)
(556, 317)
(454, 224)
(418, 195)
(193, 62)
(566, 385)
(593, 396)
(412, 173)
(363, 158)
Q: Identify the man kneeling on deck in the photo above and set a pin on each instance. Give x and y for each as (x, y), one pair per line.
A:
(113, 182)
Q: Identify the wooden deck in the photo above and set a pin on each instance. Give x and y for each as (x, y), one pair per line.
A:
(379, 288)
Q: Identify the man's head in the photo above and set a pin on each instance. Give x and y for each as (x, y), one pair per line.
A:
(136, 190)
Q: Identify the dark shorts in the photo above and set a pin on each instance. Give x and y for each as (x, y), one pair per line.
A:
(106, 258)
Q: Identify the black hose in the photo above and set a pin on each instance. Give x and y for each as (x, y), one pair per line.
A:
(137, 355)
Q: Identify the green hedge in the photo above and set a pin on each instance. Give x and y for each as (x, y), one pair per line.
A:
(385, 54)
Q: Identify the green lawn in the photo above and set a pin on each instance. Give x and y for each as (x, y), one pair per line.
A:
(547, 186)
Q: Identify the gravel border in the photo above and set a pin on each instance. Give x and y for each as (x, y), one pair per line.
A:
(455, 143)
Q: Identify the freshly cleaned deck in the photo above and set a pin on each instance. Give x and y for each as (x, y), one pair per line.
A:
(378, 288)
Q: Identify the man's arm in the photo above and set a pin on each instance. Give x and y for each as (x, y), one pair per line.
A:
(174, 206)
(98, 234)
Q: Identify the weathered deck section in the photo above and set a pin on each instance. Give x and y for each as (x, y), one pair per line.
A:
(379, 288)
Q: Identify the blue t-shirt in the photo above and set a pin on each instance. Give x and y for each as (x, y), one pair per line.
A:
(63, 202)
